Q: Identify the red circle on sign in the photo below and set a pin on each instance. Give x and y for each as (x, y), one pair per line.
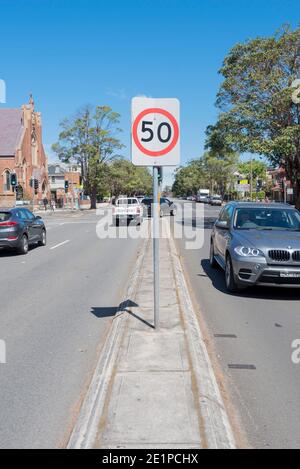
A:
(173, 122)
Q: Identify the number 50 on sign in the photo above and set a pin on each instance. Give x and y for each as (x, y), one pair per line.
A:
(155, 132)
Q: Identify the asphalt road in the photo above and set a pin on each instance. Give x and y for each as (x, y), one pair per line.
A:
(56, 306)
(262, 324)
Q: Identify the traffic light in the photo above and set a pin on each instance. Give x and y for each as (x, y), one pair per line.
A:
(36, 184)
(281, 184)
(66, 186)
(13, 180)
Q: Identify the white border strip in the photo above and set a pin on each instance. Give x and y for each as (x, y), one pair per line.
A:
(60, 244)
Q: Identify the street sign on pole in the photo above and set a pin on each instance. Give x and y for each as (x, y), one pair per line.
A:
(155, 132)
(155, 142)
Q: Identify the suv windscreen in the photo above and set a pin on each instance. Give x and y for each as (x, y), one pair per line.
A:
(267, 219)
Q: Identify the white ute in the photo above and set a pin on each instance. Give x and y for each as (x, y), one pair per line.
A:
(129, 209)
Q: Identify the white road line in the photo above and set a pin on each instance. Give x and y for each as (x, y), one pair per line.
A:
(60, 244)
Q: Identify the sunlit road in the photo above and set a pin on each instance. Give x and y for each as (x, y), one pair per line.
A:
(260, 326)
(56, 305)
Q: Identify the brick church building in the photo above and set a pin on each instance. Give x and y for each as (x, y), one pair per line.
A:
(22, 153)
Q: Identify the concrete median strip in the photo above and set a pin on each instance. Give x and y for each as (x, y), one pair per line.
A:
(154, 388)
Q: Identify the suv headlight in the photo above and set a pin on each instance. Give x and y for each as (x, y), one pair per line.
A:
(245, 251)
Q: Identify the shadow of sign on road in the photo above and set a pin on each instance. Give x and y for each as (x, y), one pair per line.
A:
(124, 307)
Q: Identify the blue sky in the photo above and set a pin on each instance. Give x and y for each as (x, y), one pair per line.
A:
(73, 52)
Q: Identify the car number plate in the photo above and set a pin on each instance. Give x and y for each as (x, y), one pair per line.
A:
(289, 275)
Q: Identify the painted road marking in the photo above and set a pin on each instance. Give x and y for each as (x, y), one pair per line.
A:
(60, 244)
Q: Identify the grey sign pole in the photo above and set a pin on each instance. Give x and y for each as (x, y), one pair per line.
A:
(156, 217)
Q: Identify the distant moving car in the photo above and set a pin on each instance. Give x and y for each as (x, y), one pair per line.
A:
(167, 207)
(203, 196)
(215, 200)
(20, 228)
(257, 244)
(127, 209)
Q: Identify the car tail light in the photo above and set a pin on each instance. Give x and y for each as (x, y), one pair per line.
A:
(7, 224)
(12, 238)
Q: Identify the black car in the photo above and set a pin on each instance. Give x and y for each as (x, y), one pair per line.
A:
(167, 207)
(20, 228)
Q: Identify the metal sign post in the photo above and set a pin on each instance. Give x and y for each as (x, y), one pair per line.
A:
(156, 217)
(155, 141)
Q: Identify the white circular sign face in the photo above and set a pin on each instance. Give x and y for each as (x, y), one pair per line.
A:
(155, 132)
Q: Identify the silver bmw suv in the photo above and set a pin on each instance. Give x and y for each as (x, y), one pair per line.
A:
(257, 244)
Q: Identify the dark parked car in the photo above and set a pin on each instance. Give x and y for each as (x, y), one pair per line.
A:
(257, 244)
(167, 207)
(20, 228)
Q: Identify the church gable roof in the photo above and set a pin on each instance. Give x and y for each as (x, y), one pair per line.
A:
(11, 128)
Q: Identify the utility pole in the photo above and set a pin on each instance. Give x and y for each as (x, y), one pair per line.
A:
(284, 191)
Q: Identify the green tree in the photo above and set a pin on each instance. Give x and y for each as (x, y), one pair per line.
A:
(188, 179)
(219, 170)
(127, 179)
(258, 114)
(257, 168)
(90, 139)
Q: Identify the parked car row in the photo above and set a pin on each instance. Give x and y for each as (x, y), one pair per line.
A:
(214, 200)
(132, 209)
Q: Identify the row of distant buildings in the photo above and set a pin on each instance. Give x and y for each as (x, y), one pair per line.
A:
(23, 161)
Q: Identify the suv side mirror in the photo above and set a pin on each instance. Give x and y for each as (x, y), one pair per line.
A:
(38, 217)
(222, 225)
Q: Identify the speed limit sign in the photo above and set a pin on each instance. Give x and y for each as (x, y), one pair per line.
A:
(155, 132)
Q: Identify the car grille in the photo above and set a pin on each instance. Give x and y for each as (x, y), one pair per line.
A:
(296, 256)
(280, 255)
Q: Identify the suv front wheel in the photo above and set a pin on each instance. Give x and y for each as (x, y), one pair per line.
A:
(24, 245)
(231, 283)
(212, 260)
(43, 240)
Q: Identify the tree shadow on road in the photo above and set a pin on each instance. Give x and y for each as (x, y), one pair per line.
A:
(217, 278)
